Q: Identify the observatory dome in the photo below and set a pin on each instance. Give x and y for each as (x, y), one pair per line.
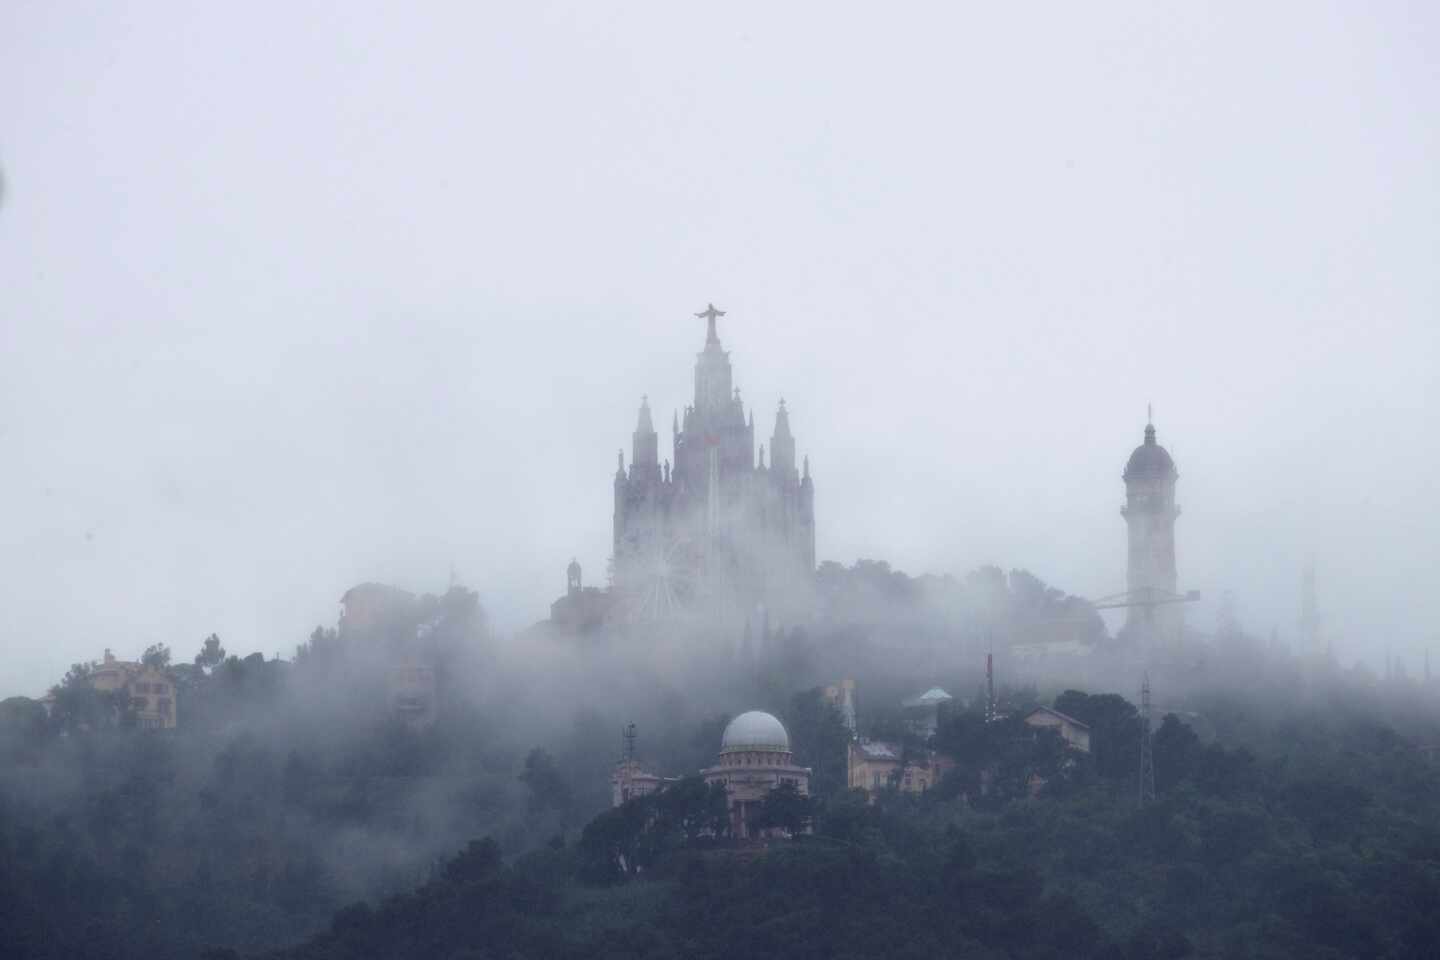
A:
(1150, 460)
(755, 730)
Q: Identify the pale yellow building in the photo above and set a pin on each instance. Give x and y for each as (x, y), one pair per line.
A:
(152, 692)
(1075, 733)
(630, 780)
(873, 765)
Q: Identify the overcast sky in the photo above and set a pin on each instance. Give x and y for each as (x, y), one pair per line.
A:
(294, 296)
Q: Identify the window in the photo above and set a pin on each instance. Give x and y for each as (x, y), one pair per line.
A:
(877, 781)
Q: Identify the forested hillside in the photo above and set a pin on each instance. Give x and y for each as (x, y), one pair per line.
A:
(292, 814)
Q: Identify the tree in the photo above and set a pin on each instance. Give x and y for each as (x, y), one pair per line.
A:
(693, 807)
(787, 808)
(156, 656)
(23, 728)
(820, 739)
(1177, 752)
(211, 654)
(548, 789)
(1114, 730)
(79, 706)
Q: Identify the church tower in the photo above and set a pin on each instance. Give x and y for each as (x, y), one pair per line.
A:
(717, 530)
(1150, 512)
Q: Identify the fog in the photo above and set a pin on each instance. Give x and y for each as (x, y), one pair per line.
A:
(294, 299)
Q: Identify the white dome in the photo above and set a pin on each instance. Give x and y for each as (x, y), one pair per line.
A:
(755, 730)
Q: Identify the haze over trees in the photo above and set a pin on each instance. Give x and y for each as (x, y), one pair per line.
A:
(295, 809)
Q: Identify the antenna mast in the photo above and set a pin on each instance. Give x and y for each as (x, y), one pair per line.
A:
(990, 688)
(630, 737)
(1147, 757)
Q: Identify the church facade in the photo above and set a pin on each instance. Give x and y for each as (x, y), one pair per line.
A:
(714, 527)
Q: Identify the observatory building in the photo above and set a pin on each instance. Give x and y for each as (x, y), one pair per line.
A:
(719, 528)
(1153, 613)
(754, 759)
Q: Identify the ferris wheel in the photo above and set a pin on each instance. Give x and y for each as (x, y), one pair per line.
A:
(664, 582)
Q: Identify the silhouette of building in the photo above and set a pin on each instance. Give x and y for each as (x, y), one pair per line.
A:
(1153, 613)
(719, 529)
(582, 609)
(925, 711)
(841, 696)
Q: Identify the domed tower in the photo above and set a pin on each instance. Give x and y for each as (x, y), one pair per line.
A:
(1150, 511)
(754, 759)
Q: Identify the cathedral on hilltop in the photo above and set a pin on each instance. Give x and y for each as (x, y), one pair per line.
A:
(715, 529)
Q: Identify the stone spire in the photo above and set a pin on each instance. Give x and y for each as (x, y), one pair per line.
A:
(782, 445)
(782, 420)
(646, 444)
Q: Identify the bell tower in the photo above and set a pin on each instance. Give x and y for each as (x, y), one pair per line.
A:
(1150, 512)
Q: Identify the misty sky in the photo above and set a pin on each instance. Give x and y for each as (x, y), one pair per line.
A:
(298, 295)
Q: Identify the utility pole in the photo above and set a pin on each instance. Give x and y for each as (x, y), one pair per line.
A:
(989, 688)
(1147, 757)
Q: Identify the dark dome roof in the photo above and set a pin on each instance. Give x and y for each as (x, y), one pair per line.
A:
(1149, 459)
